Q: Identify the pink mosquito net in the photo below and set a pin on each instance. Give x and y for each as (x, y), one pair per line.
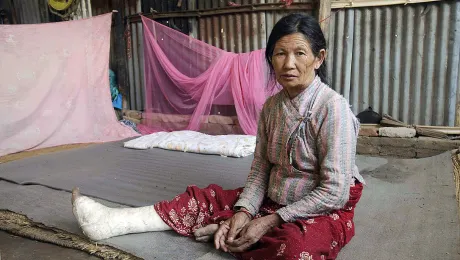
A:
(54, 85)
(195, 86)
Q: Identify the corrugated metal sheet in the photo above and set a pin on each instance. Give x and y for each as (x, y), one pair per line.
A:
(237, 32)
(135, 41)
(234, 32)
(135, 48)
(83, 10)
(160, 6)
(31, 11)
(400, 60)
(273, 17)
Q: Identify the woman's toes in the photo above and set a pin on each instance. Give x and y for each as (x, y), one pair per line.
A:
(203, 238)
(208, 230)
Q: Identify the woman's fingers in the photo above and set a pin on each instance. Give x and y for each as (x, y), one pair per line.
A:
(222, 244)
(239, 220)
(233, 232)
(218, 236)
(242, 239)
(238, 242)
(221, 234)
(238, 249)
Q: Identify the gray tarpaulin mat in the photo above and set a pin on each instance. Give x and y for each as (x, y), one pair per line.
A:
(130, 177)
(407, 210)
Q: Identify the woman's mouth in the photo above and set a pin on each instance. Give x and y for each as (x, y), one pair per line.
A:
(288, 76)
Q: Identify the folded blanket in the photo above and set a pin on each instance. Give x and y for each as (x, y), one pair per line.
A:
(191, 141)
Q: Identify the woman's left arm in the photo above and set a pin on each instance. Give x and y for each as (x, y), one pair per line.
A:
(336, 145)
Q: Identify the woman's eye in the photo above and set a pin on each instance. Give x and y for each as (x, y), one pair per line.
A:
(300, 53)
(279, 54)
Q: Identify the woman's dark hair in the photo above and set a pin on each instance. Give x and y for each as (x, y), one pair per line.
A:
(298, 23)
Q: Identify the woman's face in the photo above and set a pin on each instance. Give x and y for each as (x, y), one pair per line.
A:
(294, 63)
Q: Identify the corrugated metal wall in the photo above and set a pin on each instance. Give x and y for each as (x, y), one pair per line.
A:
(135, 48)
(233, 32)
(180, 24)
(31, 11)
(83, 10)
(135, 42)
(36, 11)
(236, 32)
(402, 60)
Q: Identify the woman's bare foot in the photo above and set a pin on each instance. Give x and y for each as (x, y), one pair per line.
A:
(205, 234)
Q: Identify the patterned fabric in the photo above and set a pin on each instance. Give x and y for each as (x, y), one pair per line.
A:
(321, 237)
(196, 142)
(113, 85)
(195, 208)
(130, 123)
(305, 154)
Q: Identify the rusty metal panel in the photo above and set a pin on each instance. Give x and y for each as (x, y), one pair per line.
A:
(401, 60)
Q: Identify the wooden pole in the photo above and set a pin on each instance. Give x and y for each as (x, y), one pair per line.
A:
(252, 8)
(457, 108)
(324, 13)
(457, 114)
(369, 3)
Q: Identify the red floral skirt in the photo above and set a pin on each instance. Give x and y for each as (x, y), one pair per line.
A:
(316, 238)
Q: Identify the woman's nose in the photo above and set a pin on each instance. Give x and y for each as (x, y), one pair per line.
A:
(289, 62)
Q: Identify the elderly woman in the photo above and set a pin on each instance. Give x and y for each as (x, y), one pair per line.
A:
(300, 195)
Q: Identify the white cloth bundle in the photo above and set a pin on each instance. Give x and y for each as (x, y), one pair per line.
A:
(191, 141)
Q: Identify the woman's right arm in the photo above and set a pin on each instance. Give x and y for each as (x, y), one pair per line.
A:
(257, 181)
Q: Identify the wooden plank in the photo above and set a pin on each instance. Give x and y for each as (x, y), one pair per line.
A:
(264, 7)
(367, 3)
(227, 10)
(443, 129)
(324, 13)
(457, 114)
(448, 130)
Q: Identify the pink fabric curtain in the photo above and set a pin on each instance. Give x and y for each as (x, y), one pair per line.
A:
(54, 85)
(195, 86)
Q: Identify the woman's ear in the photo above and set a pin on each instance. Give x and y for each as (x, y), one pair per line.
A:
(320, 58)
